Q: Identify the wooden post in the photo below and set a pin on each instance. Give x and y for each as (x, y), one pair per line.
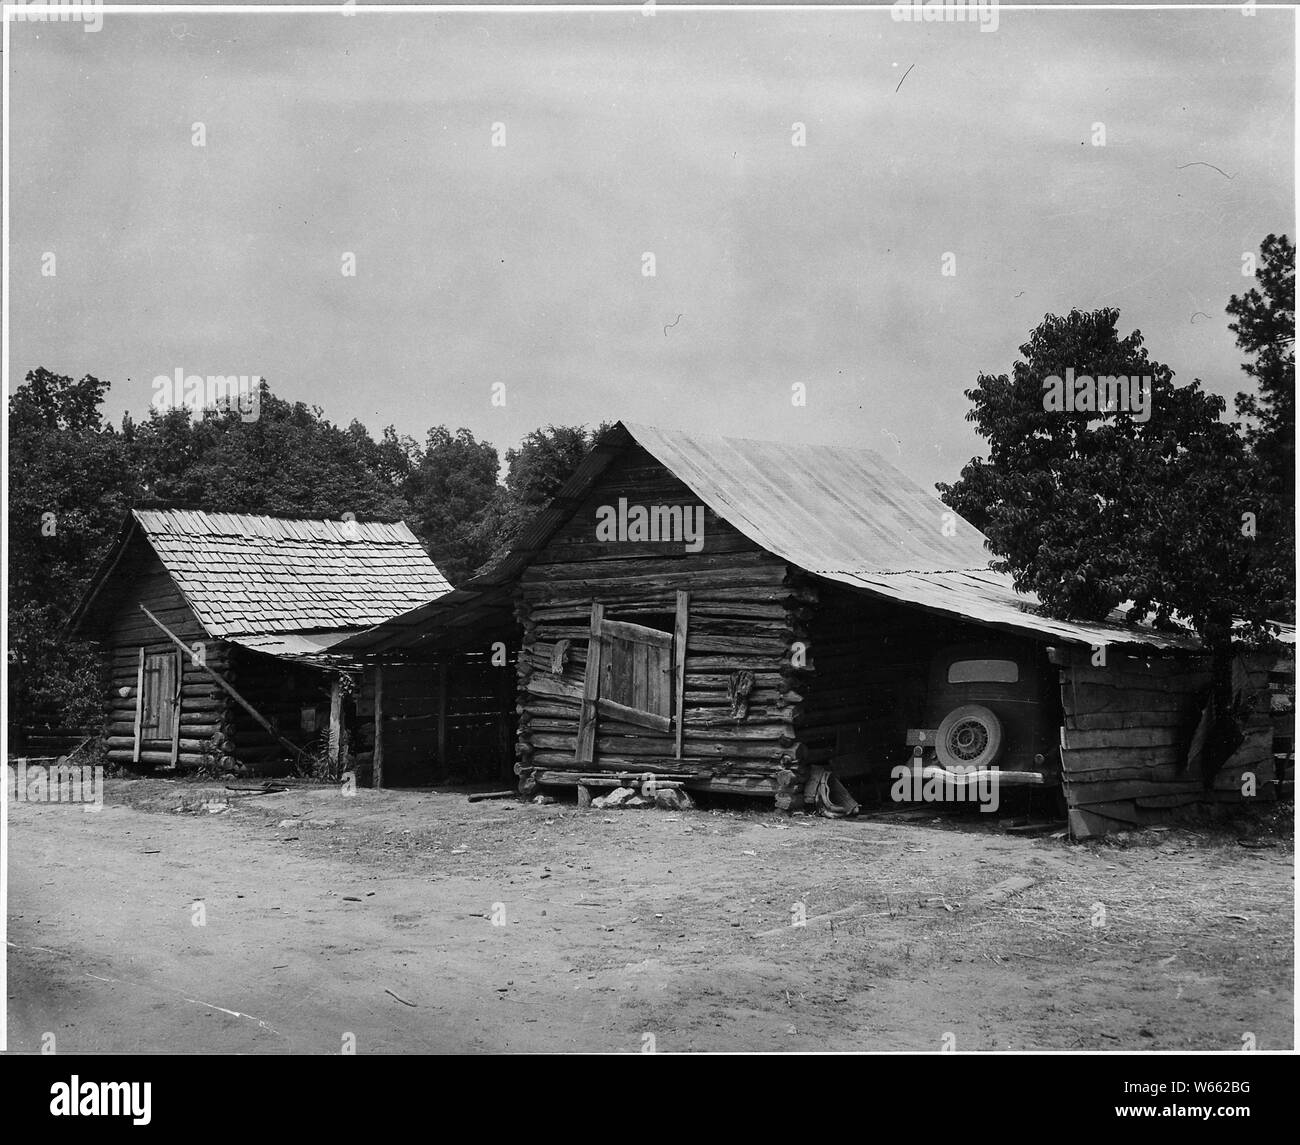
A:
(586, 747)
(378, 758)
(139, 707)
(679, 651)
(176, 707)
(442, 716)
(505, 706)
(336, 723)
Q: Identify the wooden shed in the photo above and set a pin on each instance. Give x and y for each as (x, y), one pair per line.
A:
(746, 616)
(440, 698)
(219, 629)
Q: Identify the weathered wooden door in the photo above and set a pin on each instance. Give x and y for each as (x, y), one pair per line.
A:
(635, 675)
(160, 696)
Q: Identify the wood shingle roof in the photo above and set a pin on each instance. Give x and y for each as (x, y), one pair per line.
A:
(246, 574)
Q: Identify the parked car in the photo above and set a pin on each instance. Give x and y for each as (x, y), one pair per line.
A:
(991, 704)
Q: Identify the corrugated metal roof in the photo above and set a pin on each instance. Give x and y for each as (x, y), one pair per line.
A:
(844, 514)
(988, 597)
(850, 516)
(244, 574)
(820, 507)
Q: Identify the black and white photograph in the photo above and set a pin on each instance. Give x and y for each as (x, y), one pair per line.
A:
(651, 529)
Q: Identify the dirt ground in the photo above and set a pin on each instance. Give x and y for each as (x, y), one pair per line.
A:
(420, 922)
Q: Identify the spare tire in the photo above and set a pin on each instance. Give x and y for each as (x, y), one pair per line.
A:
(970, 737)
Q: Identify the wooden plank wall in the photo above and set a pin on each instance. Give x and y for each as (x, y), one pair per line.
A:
(409, 724)
(480, 716)
(477, 733)
(738, 620)
(1127, 728)
(204, 717)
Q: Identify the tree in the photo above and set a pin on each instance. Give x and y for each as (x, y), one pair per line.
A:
(536, 470)
(544, 460)
(1265, 329)
(391, 458)
(70, 483)
(73, 480)
(286, 458)
(1091, 509)
(453, 494)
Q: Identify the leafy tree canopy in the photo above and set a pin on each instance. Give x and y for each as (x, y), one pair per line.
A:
(454, 497)
(1265, 329)
(1090, 509)
(288, 458)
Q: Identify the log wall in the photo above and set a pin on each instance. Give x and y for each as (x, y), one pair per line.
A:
(47, 733)
(864, 682)
(738, 620)
(215, 731)
(122, 630)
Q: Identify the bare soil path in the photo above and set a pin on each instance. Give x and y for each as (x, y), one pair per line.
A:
(419, 922)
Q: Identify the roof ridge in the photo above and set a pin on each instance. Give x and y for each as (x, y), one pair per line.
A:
(360, 519)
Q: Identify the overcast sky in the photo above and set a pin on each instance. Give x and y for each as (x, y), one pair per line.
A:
(625, 134)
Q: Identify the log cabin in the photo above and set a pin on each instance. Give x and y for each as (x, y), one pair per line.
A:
(777, 619)
(218, 633)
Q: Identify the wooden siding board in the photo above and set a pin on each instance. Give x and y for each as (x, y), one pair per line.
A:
(1127, 727)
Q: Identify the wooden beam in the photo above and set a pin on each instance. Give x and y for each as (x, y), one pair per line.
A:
(624, 714)
(586, 745)
(336, 723)
(139, 707)
(679, 655)
(176, 708)
(378, 758)
(637, 632)
(221, 680)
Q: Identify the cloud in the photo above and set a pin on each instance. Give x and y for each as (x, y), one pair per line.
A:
(522, 263)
